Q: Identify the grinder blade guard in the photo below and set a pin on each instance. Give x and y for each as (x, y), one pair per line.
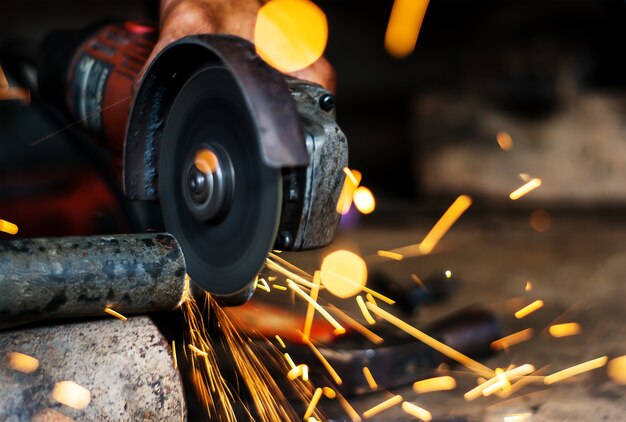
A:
(273, 152)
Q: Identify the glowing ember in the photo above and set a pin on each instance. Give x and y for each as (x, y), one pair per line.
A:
(325, 362)
(316, 398)
(530, 186)
(370, 335)
(617, 370)
(564, 330)
(540, 221)
(366, 313)
(404, 26)
(338, 328)
(434, 343)
(512, 339)
(23, 363)
(429, 385)
(517, 417)
(381, 407)
(353, 178)
(344, 273)
(504, 140)
(206, 161)
(310, 311)
(115, 314)
(575, 370)
(197, 351)
(280, 341)
(391, 255)
(8, 227)
(71, 394)
(369, 378)
(415, 410)
(446, 221)
(290, 34)
(329, 392)
(364, 200)
(529, 309)
(174, 354)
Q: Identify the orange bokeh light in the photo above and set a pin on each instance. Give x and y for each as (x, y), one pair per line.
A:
(290, 34)
(364, 200)
(343, 273)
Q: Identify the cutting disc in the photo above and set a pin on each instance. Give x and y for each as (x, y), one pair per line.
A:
(218, 198)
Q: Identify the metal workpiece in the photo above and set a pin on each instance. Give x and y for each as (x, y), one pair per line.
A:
(310, 194)
(79, 276)
(126, 367)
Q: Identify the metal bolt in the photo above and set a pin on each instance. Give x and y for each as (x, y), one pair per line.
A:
(327, 102)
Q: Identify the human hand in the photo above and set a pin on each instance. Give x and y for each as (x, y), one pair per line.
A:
(180, 18)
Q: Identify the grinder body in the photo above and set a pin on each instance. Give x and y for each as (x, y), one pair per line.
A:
(291, 132)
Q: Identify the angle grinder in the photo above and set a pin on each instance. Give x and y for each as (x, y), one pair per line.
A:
(241, 158)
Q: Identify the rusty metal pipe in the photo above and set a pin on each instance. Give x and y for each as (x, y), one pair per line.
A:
(52, 278)
(126, 367)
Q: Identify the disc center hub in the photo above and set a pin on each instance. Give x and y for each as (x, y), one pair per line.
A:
(208, 182)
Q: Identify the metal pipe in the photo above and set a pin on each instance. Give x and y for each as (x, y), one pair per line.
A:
(52, 278)
(124, 370)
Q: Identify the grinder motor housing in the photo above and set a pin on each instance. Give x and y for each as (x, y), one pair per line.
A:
(91, 73)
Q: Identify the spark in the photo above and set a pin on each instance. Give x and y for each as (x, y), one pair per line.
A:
(565, 329)
(290, 34)
(444, 383)
(8, 227)
(525, 188)
(381, 407)
(529, 309)
(174, 354)
(262, 284)
(310, 311)
(347, 407)
(197, 351)
(329, 392)
(287, 273)
(325, 362)
(404, 26)
(22, 362)
(343, 273)
(301, 370)
(504, 140)
(288, 265)
(371, 299)
(348, 280)
(366, 313)
(391, 255)
(369, 378)
(494, 383)
(517, 417)
(446, 221)
(316, 398)
(418, 412)
(289, 361)
(363, 200)
(347, 191)
(529, 286)
(186, 290)
(279, 287)
(432, 342)
(617, 370)
(416, 279)
(71, 394)
(305, 373)
(280, 341)
(512, 339)
(448, 274)
(575, 370)
(338, 328)
(115, 314)
(370, 335)
(525, 380)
